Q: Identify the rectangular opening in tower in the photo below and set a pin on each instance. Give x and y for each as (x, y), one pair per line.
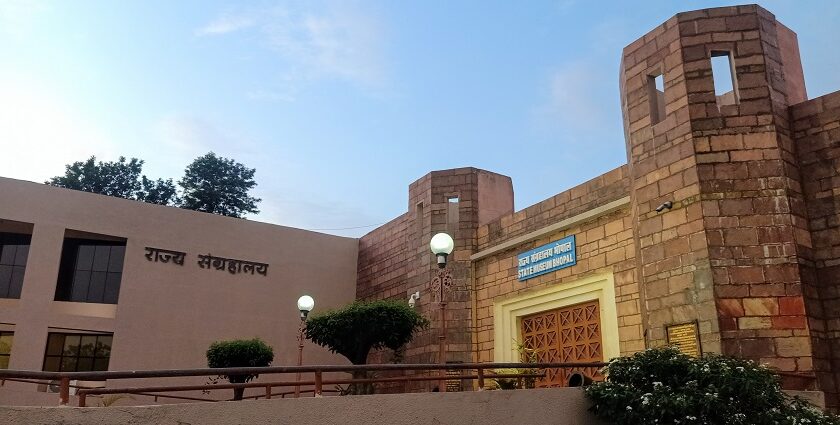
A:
(452, 213)
(723, 75)
(418, 222)
(656, 96)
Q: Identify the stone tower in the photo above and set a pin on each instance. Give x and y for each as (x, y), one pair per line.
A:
(395, 260)
(733, 252)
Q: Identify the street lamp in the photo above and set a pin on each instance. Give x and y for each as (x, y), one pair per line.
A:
(305, 304)
(442, 245)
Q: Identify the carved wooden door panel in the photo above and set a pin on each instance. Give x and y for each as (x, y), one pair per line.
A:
(570, 334)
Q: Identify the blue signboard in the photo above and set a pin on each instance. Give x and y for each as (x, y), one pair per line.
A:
(547, 258)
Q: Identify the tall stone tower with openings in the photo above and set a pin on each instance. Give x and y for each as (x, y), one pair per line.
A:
(395, 260)
(733, 252)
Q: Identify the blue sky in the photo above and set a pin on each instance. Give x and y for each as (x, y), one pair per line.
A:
(339, 105)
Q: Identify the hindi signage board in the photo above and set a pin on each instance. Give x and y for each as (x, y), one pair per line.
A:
(547, 258)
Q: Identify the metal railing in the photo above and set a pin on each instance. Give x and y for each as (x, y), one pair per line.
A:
(483, 372)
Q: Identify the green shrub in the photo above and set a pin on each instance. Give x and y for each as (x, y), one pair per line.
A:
(504, 383)
(239, 353)
(663, 386)
(353, 331)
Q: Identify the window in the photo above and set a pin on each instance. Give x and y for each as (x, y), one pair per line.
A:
(723, 75)
(5, 348)
(418, 222)
(90, 271)
(14, 249)
(452, 214)
(77, 352)
(656, 96)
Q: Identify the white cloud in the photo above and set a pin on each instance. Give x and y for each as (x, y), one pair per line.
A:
(40, 132)
(341, 43)
(225, 24)
(338, 42)
(17, 16)
(191, 135)
(571, 102)
(292, 208)
(270, 96)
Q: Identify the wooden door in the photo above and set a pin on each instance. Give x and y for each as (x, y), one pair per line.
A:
(568, 334)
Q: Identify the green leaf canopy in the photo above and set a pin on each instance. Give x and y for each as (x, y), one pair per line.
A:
(360, 327)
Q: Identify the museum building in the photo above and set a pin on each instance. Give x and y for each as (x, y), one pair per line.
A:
(721, 234)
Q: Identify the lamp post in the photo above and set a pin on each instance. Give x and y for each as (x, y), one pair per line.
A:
(442, 245)
(305, 304)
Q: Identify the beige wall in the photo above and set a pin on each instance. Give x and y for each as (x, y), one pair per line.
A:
(167, 314)
(561, 406)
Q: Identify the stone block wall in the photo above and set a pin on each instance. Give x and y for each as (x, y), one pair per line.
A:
(383, 261)
(584, 197)
(816, 126)
(604, 244)
(673, 262)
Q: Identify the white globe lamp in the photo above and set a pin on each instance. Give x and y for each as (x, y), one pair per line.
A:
(305, 305)
(441, 245)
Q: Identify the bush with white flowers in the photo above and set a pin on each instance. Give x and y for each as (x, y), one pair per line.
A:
(663, 386)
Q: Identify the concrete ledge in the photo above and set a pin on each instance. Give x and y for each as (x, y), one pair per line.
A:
(562, 406)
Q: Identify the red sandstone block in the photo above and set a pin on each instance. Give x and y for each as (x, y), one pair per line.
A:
(726, 142)
(746, 274)
(742, 121)
(761, 306)
(756, 107)
(749, 47)
(727, 36)
(724, 11)
(731, 291)
(710, 25)
(791, 306)
(734, 207)
(768, 290)
(740, 236)
(789, 322)
(706, 158)
(742, 22)
(747, 155)
(759, 347)
(730, 307)
(728, 323)
(770, 168)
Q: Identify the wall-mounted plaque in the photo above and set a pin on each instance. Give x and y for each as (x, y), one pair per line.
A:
(685, 337)
(547, 258)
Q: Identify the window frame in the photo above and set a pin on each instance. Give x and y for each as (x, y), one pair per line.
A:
(48, 355)
(8, 355)
(74, 278)
(16, 267)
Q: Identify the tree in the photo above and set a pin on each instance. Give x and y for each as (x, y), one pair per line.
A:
(160, 191)
(218, 185)
(239, 353)
(121, 179)
(360, 327)
(662, 385)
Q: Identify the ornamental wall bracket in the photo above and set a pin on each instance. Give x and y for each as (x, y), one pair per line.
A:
(441, 284)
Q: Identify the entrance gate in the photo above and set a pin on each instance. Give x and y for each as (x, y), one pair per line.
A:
(569, 334)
